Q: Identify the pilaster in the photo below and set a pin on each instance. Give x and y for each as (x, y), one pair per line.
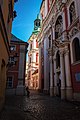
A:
(55, 78)
(68, 75)
(40, 67)
(51, 76)
(62, 75)
(50, 54)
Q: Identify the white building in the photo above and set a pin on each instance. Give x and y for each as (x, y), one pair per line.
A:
(33, 54)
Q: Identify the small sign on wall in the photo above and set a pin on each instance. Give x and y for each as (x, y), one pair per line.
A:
(77, 76)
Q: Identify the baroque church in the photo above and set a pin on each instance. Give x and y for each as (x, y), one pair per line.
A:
(59, 48)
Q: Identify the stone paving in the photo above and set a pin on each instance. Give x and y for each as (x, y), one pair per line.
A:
(39, 107)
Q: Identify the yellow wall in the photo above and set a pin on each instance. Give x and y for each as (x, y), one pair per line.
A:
(5, 30)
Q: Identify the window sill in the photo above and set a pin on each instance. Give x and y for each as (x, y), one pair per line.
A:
(75, 63)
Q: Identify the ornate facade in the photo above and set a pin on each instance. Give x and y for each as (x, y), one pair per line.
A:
(33, 57)
(59, 39)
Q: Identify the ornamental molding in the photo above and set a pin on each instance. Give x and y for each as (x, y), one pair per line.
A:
(54, 12)
(73, 32)
(74, 29)
(51, 52)
(61, 44)
(75, 23)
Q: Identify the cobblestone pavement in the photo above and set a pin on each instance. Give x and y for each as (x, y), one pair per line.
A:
(39, 107)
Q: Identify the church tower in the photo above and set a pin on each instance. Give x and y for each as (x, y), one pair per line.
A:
(37, 24)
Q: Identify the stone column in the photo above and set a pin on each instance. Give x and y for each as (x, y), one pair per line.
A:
(68, 75)
(51, 76)
(55, 78)
(62, 75)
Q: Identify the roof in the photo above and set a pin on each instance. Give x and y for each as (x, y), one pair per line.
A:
(15, 39)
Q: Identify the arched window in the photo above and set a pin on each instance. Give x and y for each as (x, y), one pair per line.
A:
(58, 27)
(72, 12)
(76, 49)
(36, 57)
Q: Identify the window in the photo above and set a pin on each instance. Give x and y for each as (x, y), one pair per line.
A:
(77, 77)
(36, 57)
(72, 12)
(12, 60)
(9, 83)
(36, 24)
(76, 49)
(13, 48)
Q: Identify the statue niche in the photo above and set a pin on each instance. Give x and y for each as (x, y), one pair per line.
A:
(58, 27)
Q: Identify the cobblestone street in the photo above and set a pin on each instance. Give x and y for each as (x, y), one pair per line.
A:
(39, 107)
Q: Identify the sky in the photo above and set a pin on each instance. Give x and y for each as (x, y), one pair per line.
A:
(23, 24)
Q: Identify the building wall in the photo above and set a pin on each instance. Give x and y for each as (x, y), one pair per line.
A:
(67, 29)
(32, 65)
(17, 67)
(13, 69)
(5, 30)
(26, 75)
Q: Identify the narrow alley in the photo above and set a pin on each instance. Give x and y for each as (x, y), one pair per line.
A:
(39, 107)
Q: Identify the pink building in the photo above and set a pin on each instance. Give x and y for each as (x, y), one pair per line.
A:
(59, 39)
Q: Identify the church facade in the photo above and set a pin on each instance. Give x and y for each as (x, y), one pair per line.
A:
(59, 48)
